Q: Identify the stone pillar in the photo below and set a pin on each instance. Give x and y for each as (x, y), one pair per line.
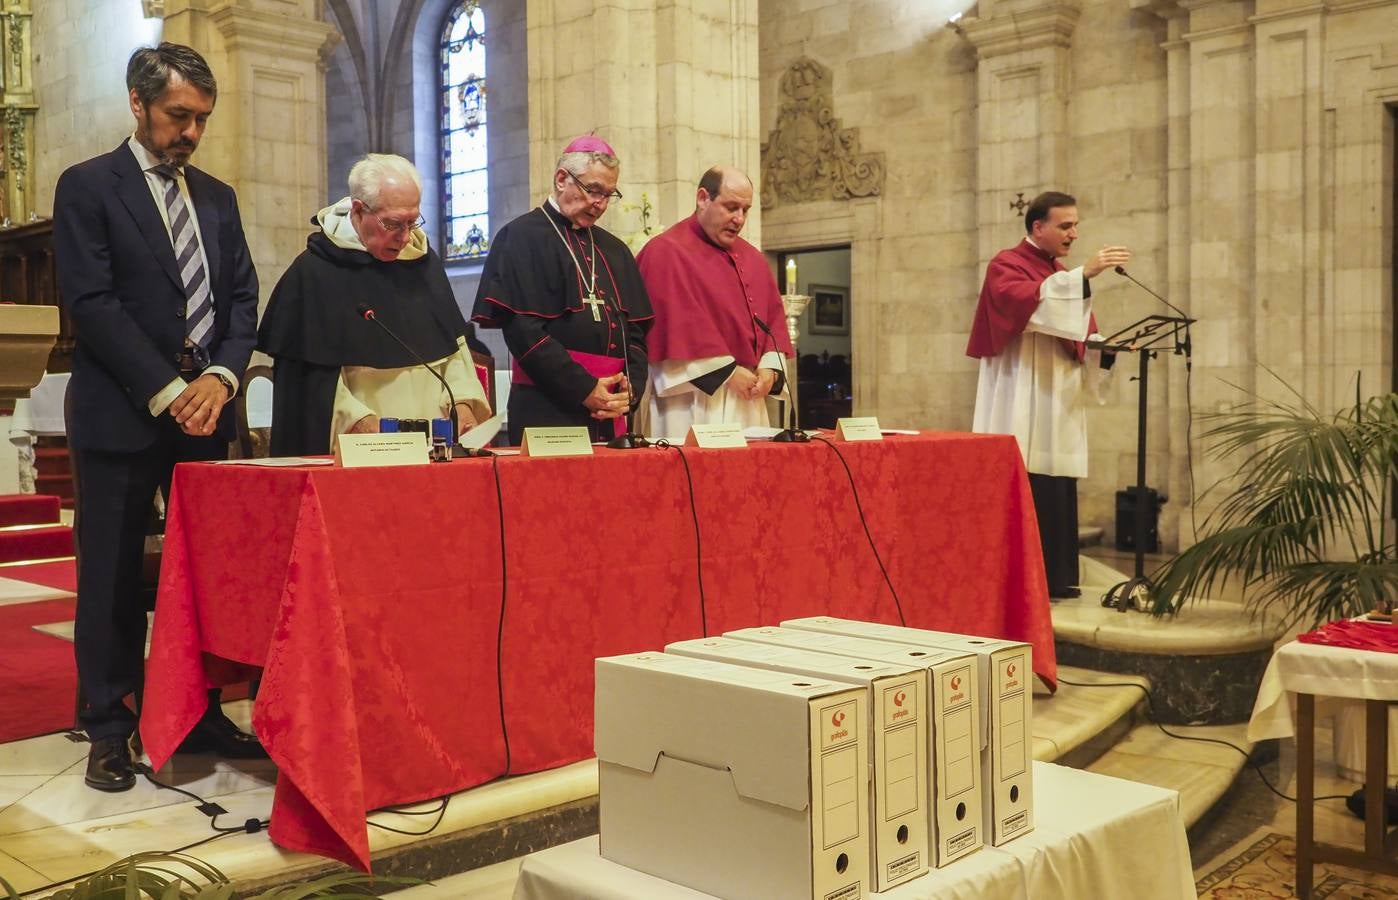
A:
(267, 136)
(672, 85)
(17, 99)
(1022, 83)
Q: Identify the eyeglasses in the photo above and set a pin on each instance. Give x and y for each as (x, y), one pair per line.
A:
(396, 227)
(596, 193)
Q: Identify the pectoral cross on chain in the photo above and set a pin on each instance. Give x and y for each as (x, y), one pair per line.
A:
(594, 301)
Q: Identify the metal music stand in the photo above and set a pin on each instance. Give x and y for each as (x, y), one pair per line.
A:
(1146, 338)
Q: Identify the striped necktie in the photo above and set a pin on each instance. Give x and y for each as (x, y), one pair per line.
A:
(199, 303)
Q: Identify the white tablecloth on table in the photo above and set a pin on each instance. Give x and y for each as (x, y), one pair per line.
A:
(1340, 679)
(1095, 836)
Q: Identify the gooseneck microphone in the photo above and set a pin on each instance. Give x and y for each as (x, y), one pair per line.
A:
(630, 440)
(1121, 270)
(792, 434)
(366, 312)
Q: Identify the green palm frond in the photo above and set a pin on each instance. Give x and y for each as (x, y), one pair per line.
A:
(176, 876)
(1304, 524)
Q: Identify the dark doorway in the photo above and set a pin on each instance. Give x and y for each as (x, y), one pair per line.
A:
(825, 361)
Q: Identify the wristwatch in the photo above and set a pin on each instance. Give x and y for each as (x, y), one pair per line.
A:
(226, 382)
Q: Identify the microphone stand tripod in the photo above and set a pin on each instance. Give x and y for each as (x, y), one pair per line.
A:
(1140, 337)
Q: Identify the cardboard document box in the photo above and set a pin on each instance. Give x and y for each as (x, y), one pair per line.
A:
(1006, 714)
(735, 781)
(897, 737)
(953, 733)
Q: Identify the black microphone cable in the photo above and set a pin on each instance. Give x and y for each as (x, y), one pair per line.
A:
(1155, 720)
(500, 628)
(854, 489)
(698, 544)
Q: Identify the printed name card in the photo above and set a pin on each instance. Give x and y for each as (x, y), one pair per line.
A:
(556, 442)
(858, 428)
(716, 436)
(406, 448)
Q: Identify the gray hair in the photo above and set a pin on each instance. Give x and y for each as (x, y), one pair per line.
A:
(578, 161)
(367, 176)
(148, 71)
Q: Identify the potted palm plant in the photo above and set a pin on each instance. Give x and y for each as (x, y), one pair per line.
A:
(1306, 524)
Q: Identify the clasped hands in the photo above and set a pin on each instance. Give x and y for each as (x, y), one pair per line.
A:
(610, 397)
(197, 408)
(751, 385)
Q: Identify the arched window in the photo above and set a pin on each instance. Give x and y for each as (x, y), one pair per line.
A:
(465, 187)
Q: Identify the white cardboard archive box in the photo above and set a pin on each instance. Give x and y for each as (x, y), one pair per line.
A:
(1006, 713)
(734, 781)
(897, 742)
(953, 734)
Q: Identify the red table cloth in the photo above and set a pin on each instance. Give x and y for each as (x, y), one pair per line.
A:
(371, 598)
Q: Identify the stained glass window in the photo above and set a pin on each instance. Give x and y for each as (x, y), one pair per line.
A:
(465, 192)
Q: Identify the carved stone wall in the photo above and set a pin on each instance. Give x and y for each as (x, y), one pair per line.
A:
(808, 155)
(1244, 149)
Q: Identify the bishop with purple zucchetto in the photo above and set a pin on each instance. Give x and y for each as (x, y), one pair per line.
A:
(570, 302)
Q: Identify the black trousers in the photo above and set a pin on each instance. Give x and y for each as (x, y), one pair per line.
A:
(115, 492)
(1056, 507)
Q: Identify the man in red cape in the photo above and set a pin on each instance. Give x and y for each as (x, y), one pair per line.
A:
(1030, 325)
(719, 336)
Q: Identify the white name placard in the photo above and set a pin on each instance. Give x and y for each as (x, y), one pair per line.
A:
(408, 448)
(716, 436)
(556, 442)
(858, 428)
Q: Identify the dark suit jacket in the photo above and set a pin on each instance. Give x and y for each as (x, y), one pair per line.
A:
(118, 281)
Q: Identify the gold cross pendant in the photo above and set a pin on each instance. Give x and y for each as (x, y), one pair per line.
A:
(594, 301)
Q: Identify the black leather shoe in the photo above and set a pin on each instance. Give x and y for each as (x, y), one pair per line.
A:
(109, 765)
(1067, 593)
(216, 733)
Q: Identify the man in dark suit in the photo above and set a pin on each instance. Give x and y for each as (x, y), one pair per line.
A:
(155, 273)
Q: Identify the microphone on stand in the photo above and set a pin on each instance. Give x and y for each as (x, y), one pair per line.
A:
(630, 440)
(1121, 270)
(792, 434)
(366, 312)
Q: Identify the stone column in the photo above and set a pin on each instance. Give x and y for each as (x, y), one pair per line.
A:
(17, 99)
(672, 85)
(1022, 84)
(267, 137)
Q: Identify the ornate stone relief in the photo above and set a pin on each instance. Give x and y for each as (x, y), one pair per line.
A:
(808, 156)
(15, 154)
(153, 9)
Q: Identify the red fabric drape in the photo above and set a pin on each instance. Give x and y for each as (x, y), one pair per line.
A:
(1355, 634)
(372, 596)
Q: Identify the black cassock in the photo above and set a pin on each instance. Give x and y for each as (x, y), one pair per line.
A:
(533, 292)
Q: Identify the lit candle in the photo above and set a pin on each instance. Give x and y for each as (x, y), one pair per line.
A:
(791, 275)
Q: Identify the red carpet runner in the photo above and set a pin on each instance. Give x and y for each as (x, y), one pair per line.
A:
(38, 680)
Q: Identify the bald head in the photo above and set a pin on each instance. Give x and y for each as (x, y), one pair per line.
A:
(721, 204)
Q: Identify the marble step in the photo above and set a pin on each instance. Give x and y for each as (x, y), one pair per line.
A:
(1201, 772)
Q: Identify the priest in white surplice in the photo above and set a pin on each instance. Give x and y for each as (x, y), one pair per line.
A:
(719, 336)
(1030, 325)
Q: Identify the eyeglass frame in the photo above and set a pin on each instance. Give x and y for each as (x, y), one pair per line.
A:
(397, 227)
(593, 192)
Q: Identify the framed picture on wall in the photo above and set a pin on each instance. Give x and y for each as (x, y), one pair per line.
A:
(829, 309)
